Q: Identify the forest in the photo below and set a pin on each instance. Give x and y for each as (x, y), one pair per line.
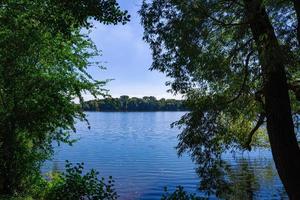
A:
(125, 103)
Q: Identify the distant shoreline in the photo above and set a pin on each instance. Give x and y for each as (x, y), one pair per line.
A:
(137, 111)
(134, 104)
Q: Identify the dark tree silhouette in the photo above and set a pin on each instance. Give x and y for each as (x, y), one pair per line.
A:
(237, 61)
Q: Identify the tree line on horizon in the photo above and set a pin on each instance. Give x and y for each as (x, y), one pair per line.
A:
(126, 103)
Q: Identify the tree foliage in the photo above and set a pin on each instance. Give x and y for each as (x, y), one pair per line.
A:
(179, 194)
(44, 58)
(75, 184)
(210, 51)
(124, 103)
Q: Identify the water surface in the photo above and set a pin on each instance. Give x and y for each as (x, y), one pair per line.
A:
(137, 149)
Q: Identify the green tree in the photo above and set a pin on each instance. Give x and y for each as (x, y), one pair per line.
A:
(237, 63)
(44, 58)
(124, 103)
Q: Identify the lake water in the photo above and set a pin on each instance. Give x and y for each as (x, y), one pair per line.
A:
(137, 149)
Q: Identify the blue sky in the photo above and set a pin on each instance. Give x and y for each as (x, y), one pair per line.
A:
(127, 58)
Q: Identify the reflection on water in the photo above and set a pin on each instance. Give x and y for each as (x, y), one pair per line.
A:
(254, 178)
(137, 149)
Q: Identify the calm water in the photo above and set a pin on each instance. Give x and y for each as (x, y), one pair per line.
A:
(137, 149)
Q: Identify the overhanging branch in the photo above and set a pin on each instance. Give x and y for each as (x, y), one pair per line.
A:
(219, 21)
(297, 9)
(245, 78)
(259, 122)
(295, 87)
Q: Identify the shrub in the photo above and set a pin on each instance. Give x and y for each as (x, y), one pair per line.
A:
(179, 194)
(75, 185)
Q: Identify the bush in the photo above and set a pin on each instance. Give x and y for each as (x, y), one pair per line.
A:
(179, 194)
(75, 185)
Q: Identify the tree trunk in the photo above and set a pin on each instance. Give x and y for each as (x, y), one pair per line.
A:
(280, 127)
(8, 173)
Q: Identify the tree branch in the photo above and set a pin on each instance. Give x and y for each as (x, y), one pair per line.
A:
(295, 87)
(2, 99)
(297, 9)
(245, 78)
(259, 97)
(220, 22)
(259, 122)
(237, 48)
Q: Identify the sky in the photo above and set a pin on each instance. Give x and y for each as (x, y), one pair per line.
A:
(127, 58)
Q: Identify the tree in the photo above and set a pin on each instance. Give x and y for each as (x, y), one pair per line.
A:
(124, 103)
(44, 58)
(237, 63)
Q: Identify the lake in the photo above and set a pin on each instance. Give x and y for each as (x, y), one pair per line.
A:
(138, 150)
